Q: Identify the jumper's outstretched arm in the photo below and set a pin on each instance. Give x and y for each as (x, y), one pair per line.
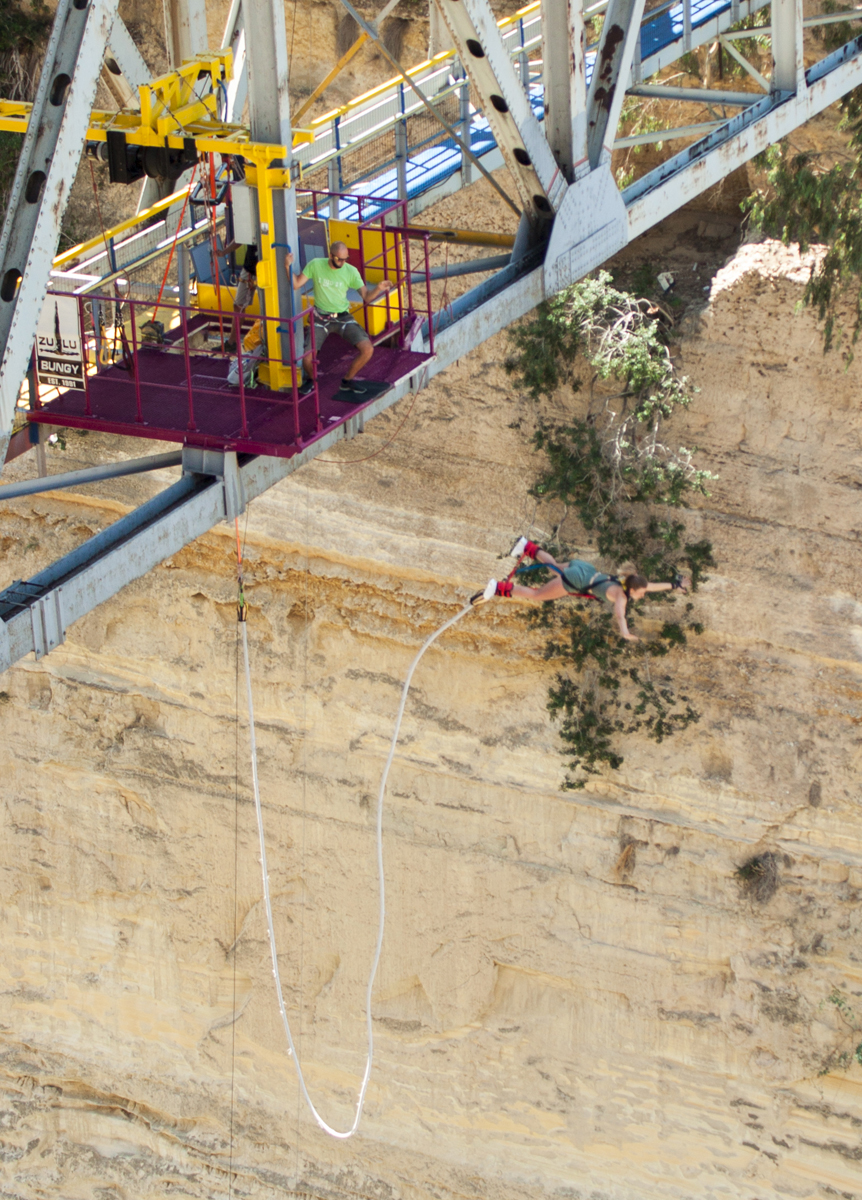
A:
(683, 585)
(617, 595)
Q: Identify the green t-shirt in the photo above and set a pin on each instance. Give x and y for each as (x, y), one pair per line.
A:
(331, 284)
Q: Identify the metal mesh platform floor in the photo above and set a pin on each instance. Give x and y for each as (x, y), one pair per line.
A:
(217, 418)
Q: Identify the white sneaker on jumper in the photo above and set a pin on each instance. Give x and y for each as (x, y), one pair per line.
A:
(488, 594)
(518, 549)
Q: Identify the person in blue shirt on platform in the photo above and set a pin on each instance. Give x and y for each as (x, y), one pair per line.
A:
(332, 277)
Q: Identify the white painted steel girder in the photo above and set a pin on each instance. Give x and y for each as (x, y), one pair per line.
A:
(123, 56)
(269, 120)
(788, 66)
(610, 78)
(488, 318)
(46, 170)
(234, 38)
(131, 547)
(705, 163)
(127, 55)
(439, 37)
(539, 181)
(122, 95)
(103, 565)
(564, 75)
(713, 96)
(591, 226)
(185, 29)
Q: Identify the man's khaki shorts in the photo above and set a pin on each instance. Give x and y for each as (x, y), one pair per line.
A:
(343, 324)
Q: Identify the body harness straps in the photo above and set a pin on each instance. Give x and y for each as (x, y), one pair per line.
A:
(587, 595)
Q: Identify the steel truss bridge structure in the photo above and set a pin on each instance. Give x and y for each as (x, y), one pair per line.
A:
(528, 93)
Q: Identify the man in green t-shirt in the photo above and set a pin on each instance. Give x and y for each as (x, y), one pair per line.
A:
(332, 277)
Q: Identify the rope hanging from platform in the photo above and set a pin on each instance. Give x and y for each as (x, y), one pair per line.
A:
(174, 240)
(360, 1102)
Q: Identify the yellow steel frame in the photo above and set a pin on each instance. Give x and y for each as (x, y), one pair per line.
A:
(347, 57)
(141, 218)
(170, 112)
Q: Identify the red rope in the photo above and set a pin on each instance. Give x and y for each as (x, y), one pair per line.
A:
(514, 569)
(174, 242)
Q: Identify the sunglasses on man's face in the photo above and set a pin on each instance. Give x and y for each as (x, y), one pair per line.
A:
(336, 261)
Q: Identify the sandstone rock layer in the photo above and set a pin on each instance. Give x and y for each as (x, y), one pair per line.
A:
(579, 995)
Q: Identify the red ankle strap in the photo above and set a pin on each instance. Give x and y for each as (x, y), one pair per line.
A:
(504, 587)
(531, 549)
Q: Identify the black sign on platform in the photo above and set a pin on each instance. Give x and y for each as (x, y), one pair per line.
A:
(60, 373)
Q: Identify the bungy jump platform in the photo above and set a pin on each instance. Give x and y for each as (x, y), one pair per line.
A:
(198, 407)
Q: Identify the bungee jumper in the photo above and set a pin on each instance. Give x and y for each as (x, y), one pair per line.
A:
(576, 578)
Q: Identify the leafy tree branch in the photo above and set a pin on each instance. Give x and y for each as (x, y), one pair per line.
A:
(811, 200)
(615, 470)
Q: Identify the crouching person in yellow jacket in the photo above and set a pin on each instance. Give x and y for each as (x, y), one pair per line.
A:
(253, 350)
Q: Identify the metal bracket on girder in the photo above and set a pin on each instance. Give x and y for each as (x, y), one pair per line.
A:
(49, 629)
(590, 227)
(234, 492)
(354, 425)
(224, 465)
(199, 461)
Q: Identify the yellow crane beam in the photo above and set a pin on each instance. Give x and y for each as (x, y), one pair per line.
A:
(463, 237)
(347, 57)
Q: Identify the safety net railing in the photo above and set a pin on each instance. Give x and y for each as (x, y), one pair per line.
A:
(129, 252)
(132, 256)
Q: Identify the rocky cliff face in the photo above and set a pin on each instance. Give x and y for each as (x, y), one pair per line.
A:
(580, 995)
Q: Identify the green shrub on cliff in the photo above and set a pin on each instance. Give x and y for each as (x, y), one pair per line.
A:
(810, 200)
(615, 472)
(809, 203)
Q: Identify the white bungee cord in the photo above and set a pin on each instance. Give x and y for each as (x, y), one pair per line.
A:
(381, 882)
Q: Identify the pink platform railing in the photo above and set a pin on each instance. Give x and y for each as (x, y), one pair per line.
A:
(406, 307)
(134, 357)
